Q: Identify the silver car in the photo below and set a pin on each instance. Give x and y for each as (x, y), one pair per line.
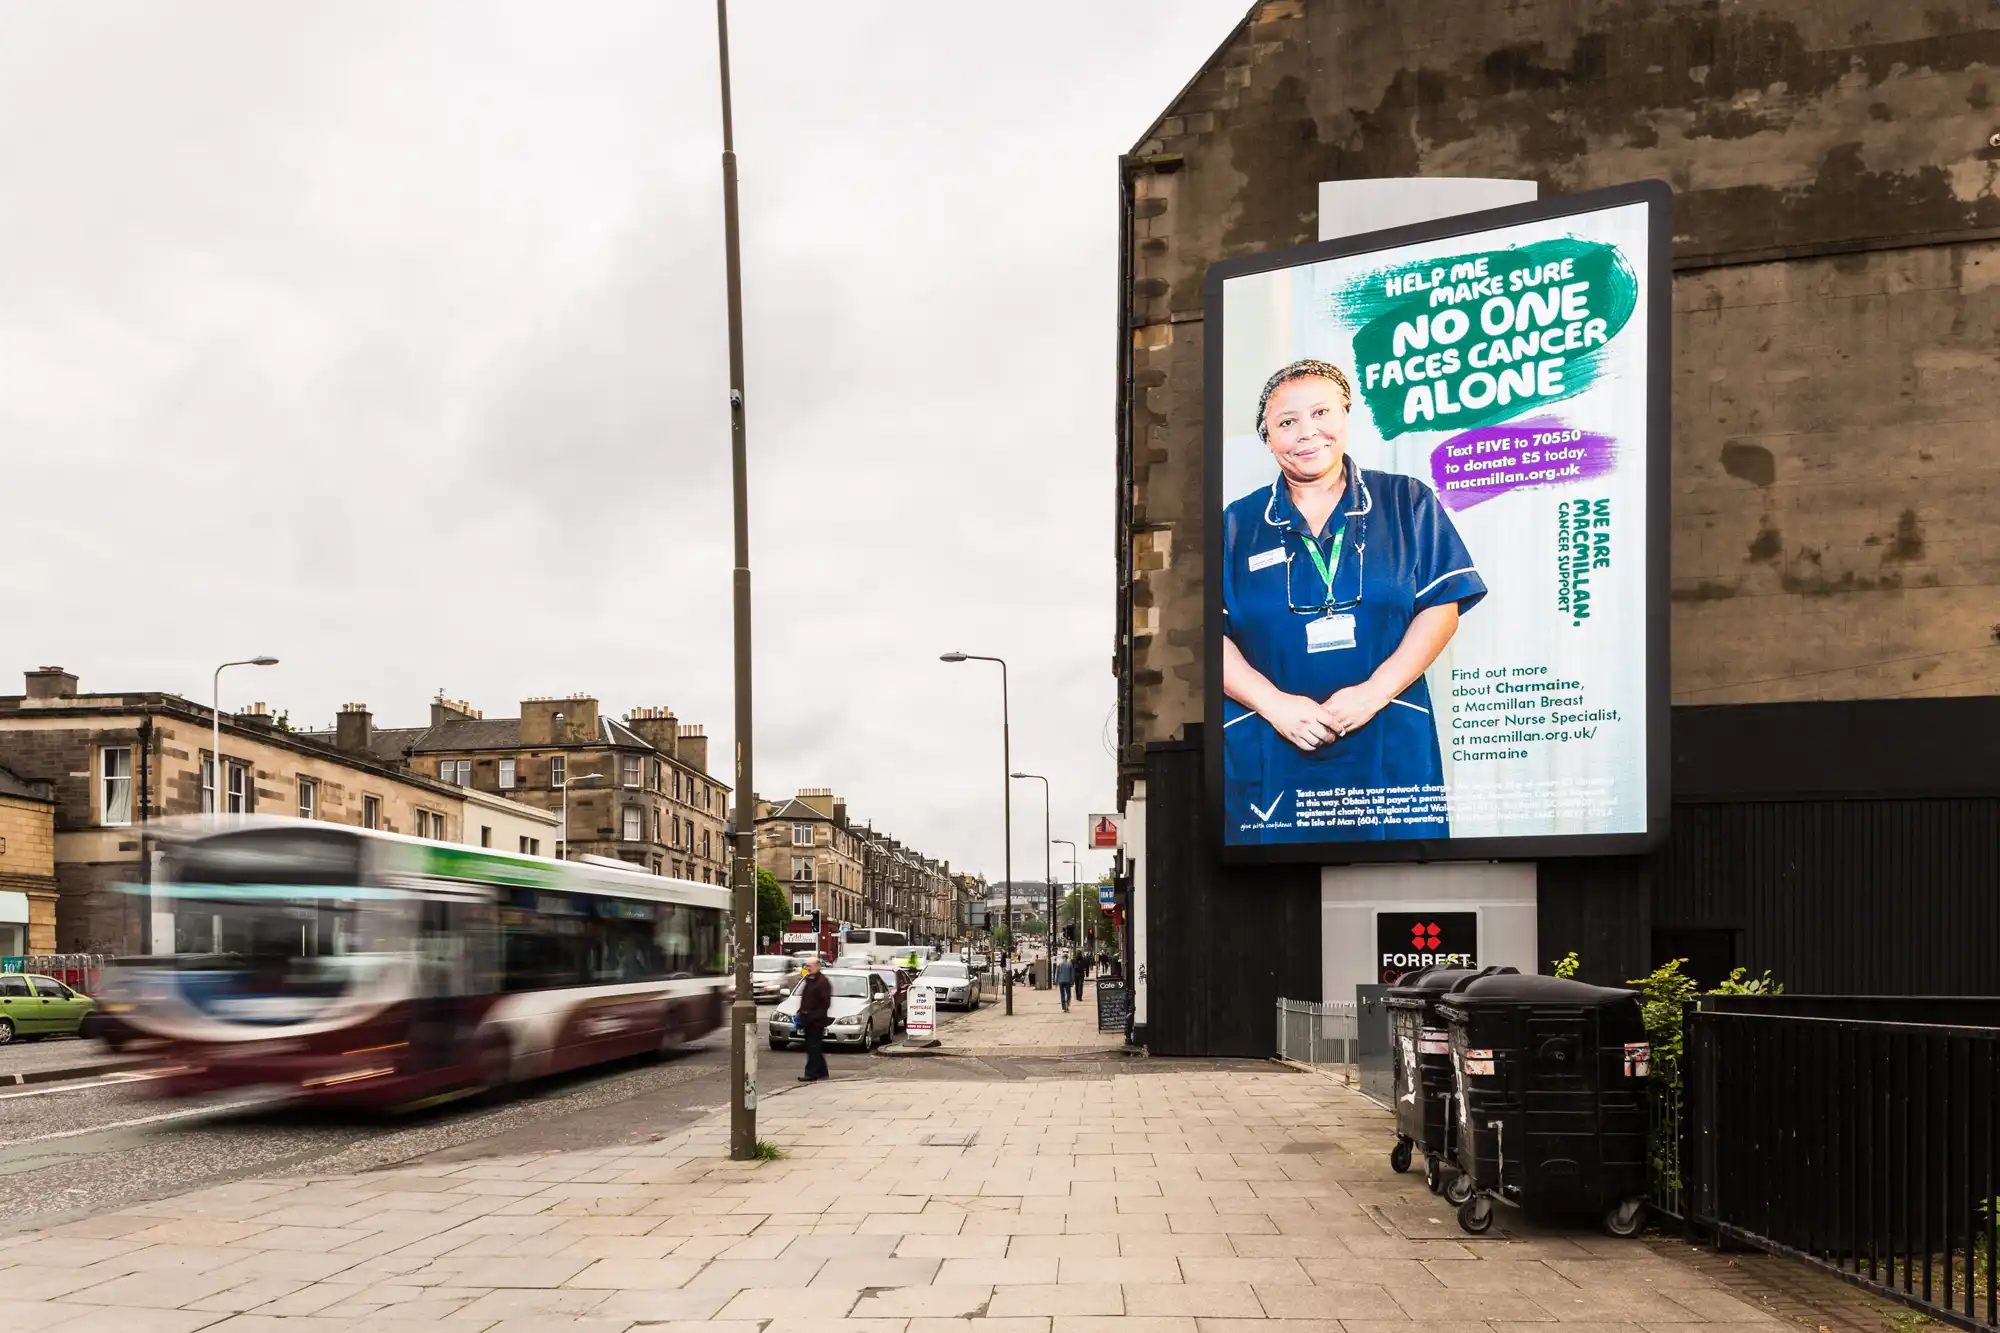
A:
(953, 983)
(862, 1014)
(771, 975)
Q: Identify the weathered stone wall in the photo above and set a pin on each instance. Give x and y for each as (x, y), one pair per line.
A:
(1837, 297)
(28, 864)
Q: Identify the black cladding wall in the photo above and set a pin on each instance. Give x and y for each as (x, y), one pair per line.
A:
(1849, 847)
(1224, 943)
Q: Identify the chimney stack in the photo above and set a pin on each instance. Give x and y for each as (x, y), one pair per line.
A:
(51, 682)
(445, 710)
(657, 727)
(571, 721)
(256, 715)
(692, 746)
(353, 729)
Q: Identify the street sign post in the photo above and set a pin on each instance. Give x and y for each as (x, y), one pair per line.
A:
(1105, 832)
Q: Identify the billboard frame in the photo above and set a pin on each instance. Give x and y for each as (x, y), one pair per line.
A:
(1657, 196)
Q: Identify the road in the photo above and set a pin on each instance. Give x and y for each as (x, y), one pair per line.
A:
(93, 1145)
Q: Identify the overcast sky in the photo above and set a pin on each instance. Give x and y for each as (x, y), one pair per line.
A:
(388, 338)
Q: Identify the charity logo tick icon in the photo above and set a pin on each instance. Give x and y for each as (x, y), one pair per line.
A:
(1424, 938)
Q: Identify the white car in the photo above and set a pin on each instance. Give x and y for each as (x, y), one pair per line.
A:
(862, 1014)
(953, 983)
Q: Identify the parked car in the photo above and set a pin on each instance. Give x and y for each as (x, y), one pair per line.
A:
(34, 1006)
(954, 984)
(771, 976)
(863, 1012)
(898, 980)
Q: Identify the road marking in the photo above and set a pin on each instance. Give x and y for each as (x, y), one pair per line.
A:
(108, 1081)
(129, 1124)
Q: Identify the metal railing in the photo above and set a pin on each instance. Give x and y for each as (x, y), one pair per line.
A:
(1319, 1035)
(80, 970)
(1868, 1148)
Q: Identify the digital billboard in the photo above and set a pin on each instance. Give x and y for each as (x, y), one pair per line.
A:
(1437, 542)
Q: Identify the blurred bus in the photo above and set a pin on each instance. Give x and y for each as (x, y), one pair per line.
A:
(371, 967)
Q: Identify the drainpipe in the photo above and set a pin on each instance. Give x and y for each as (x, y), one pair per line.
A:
(1122, 644)
(145, 839)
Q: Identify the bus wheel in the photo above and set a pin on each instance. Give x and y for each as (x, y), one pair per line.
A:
(670, 1037)
(494, 1068)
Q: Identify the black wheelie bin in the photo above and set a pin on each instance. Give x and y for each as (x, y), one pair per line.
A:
(1551, 1099)
(1421, 1050)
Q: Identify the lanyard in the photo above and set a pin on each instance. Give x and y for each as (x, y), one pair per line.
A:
(1328, 563)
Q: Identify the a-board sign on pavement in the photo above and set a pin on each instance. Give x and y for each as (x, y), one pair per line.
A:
(923, 1012)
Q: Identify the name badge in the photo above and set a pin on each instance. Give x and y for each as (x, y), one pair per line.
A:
(1325, 634)
(1265, 559)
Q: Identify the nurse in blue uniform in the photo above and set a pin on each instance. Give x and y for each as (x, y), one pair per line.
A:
(1340, 586)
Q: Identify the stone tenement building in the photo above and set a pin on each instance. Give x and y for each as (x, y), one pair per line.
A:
(1836, 326)
(852, 874)
(114, 762)
(637, 790)
(808, 846)
(27, 866)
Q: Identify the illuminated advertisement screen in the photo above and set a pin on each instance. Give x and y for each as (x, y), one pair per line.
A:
(1436, 592)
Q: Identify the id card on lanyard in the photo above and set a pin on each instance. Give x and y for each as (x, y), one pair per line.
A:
(1333, 630)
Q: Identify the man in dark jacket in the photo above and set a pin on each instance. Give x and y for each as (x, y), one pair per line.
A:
(815, 1002)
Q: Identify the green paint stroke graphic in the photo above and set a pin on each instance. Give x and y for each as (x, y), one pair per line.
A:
(1472, 339)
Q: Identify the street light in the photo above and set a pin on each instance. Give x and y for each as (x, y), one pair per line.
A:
(580, 780)
(1048, 870)
(1073, 889)
(1006, 817)
(743, 871)
(220, 800)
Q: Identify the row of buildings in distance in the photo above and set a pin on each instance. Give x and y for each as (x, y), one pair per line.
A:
(853, 874)
(82, 774)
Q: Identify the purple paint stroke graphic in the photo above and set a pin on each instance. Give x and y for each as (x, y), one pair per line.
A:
(1480, 464)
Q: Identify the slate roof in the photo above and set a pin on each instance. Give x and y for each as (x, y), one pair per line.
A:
(10, 785)
(794, 808)
(394, 744)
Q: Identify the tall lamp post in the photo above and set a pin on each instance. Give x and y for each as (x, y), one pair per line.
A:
(743, 874)
(1065, 842)
(1048, 870)
(1006, 818)
(221, 800)
(580, 780)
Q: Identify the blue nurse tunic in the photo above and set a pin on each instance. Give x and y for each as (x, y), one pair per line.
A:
(1398, 554)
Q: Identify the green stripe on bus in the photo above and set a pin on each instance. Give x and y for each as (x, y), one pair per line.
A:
(447, 862)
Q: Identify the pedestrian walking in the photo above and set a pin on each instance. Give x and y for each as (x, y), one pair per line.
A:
(1065, 978)
(815, 1002)
(1082, 971)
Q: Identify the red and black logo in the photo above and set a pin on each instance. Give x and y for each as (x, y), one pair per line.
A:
(1406, 941)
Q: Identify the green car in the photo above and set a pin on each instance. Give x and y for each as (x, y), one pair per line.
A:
(33, 1007)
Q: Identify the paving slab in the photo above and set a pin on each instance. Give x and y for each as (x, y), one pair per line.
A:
(1130, 1196)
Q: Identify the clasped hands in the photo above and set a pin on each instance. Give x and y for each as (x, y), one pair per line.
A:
(1308, 723)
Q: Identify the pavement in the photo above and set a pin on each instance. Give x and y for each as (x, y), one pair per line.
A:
(1082, 1195)
(1037, 1027)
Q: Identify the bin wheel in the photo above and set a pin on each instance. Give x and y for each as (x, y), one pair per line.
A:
(1458, 1189)
(1475, 1215)
(1399, 1156)
(1623, 1220)
(1433, 1174)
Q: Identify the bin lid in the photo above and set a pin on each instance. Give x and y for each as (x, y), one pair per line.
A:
(1427, 983)
(1531, 988)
